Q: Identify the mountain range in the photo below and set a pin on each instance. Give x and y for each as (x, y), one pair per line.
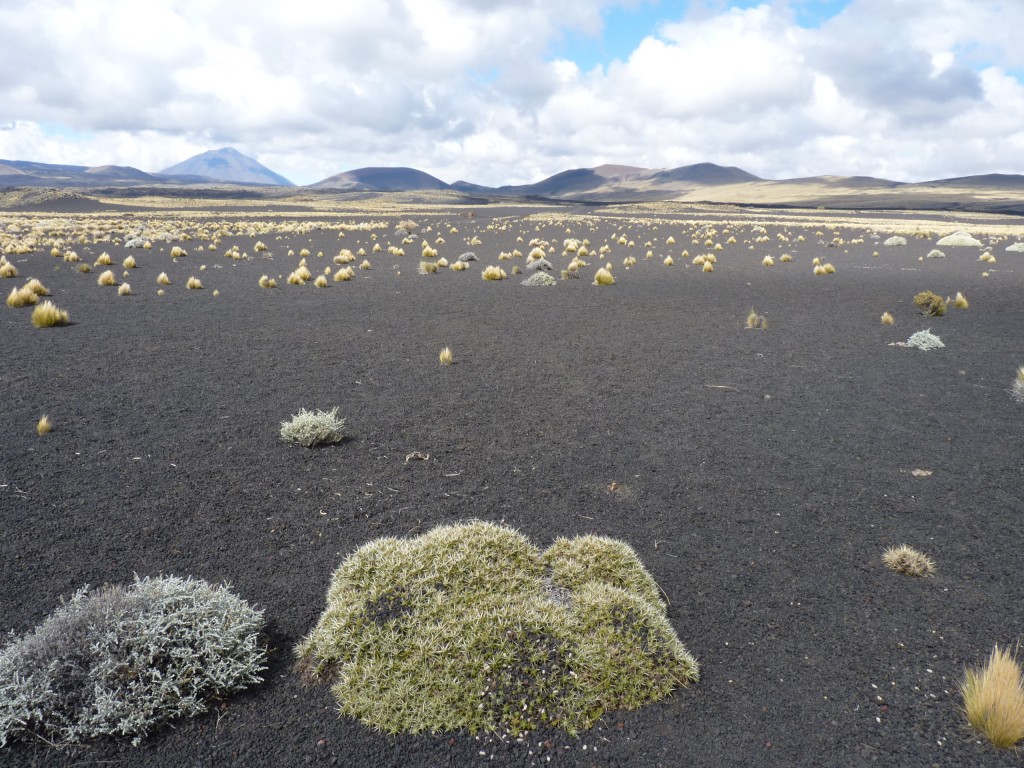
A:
(702, 182)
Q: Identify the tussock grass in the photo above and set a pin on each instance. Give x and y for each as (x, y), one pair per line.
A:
(994, 699)
(960, 301)
(603, 276)
(446, 357)
(104, 260)
(887, 318)
(365, 264)
(124, 290)
(106, 278)
(470, 626)
(320, 282)
(44, 426)
(48, 315)
(458, 266)
(21, 297)
(428, 268)
(267, 282)
(709, 266)
(129, 262)
(163, 279)
(344, 274)
(37, 287)
(909, 561)
(1017, 388)
(768, 261)
(194, 284)
(755, 321)
(8, 270)
(493, 273)
(178, 252)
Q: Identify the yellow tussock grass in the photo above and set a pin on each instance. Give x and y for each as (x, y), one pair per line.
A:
(994, 699)
(48, 315)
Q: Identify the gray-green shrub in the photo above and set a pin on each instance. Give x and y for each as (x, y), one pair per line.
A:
(120, 660)
(311, 429)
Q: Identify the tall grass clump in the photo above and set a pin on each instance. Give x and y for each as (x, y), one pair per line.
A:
(994, 699)
(311, 429)
(48, 315)
(121, 660)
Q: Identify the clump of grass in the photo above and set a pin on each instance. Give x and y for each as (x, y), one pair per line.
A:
(365, 264)
(603, 276)
(129, 262)
(267, 282)
(320, 282)
(909, 561)
(124, 290)
(828, 268)
(755, 321)
(668, 262)
(428, 267)
(446, 357)
(344, 274)
(470, 626)
(193, 284)
(960, 301)
(493, 273)
(106, 278)
(103, 260)
(21, 297)
(930, 304)
(311, 429)
(178, 252)
(37, 287)
(709, 266)
(994, 699)
(887, 318)
(768, 261)
(44, 426)
(458, 266)
(163, 279)
(8, 270)
(48, 315)
(121, 660)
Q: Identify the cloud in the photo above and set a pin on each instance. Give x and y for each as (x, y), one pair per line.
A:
(477, 91)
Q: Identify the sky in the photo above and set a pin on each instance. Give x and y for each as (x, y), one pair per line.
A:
(512, 91)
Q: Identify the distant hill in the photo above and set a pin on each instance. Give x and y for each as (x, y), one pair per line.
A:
(229, 165)
(120, 173)
(381, 179)
(705, 173)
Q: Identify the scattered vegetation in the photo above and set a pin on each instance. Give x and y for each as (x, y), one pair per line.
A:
(909, 561)
(446, 357)
(44, 426)
(194, 284)
(604, 276)
(21, 297)
(960, 301)
(887, 318)
(470, 626)
(121, 660)
(163, 279)
(493, 273)
(924, 340)
(994, 699)
(755, 321)
(310, 429)
(106, 278)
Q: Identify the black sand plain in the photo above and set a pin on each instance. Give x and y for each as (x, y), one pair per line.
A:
(758, 474)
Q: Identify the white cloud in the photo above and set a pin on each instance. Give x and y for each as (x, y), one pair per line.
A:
(464, 89)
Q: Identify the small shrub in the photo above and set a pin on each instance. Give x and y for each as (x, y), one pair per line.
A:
(959, 238)
(960, 301)
(311, 429)
(895, 240)
(907, 560)
(344, 274)
(924, 340)
(129, 262)
(194, 284)
(668, 261)
(163, 279)
(709, 266)
(540, 279)
(8, 270)
(459, 266)
(121, 660)
(768, 261)
(930, 304)
(603, 277)
(267, 282)
(428, 268)
(48, 315)
(493, 273)
(828, 269)
(320, 282)
(104, 260)
(365, 264)
(44, 426)
(446, 357)
(124, 290)
(106, 278)
(887, 318)
(178, 252)
(935, 253)
(994, 699)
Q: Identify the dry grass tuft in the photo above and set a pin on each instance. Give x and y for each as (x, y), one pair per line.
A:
(267, 282)
(320, 282)
(104, 260)
(163, 279)
(960, 301)
(129, 262)
(37, 287)
(709, 266)
(44, 427)
(48, 315)
(107, 278)
(994, 699)
(603, 277)
(365, 264)
(124, 290)
(428, 267)
(909, 561)
(493, 273)
(887, 318)
(446, 357)
(8, 270)
(1017, 388)
(668, 262)
(768, 261)
(193, 284)
(756, 321)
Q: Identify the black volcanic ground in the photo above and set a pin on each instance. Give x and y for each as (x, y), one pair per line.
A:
(758, 474)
